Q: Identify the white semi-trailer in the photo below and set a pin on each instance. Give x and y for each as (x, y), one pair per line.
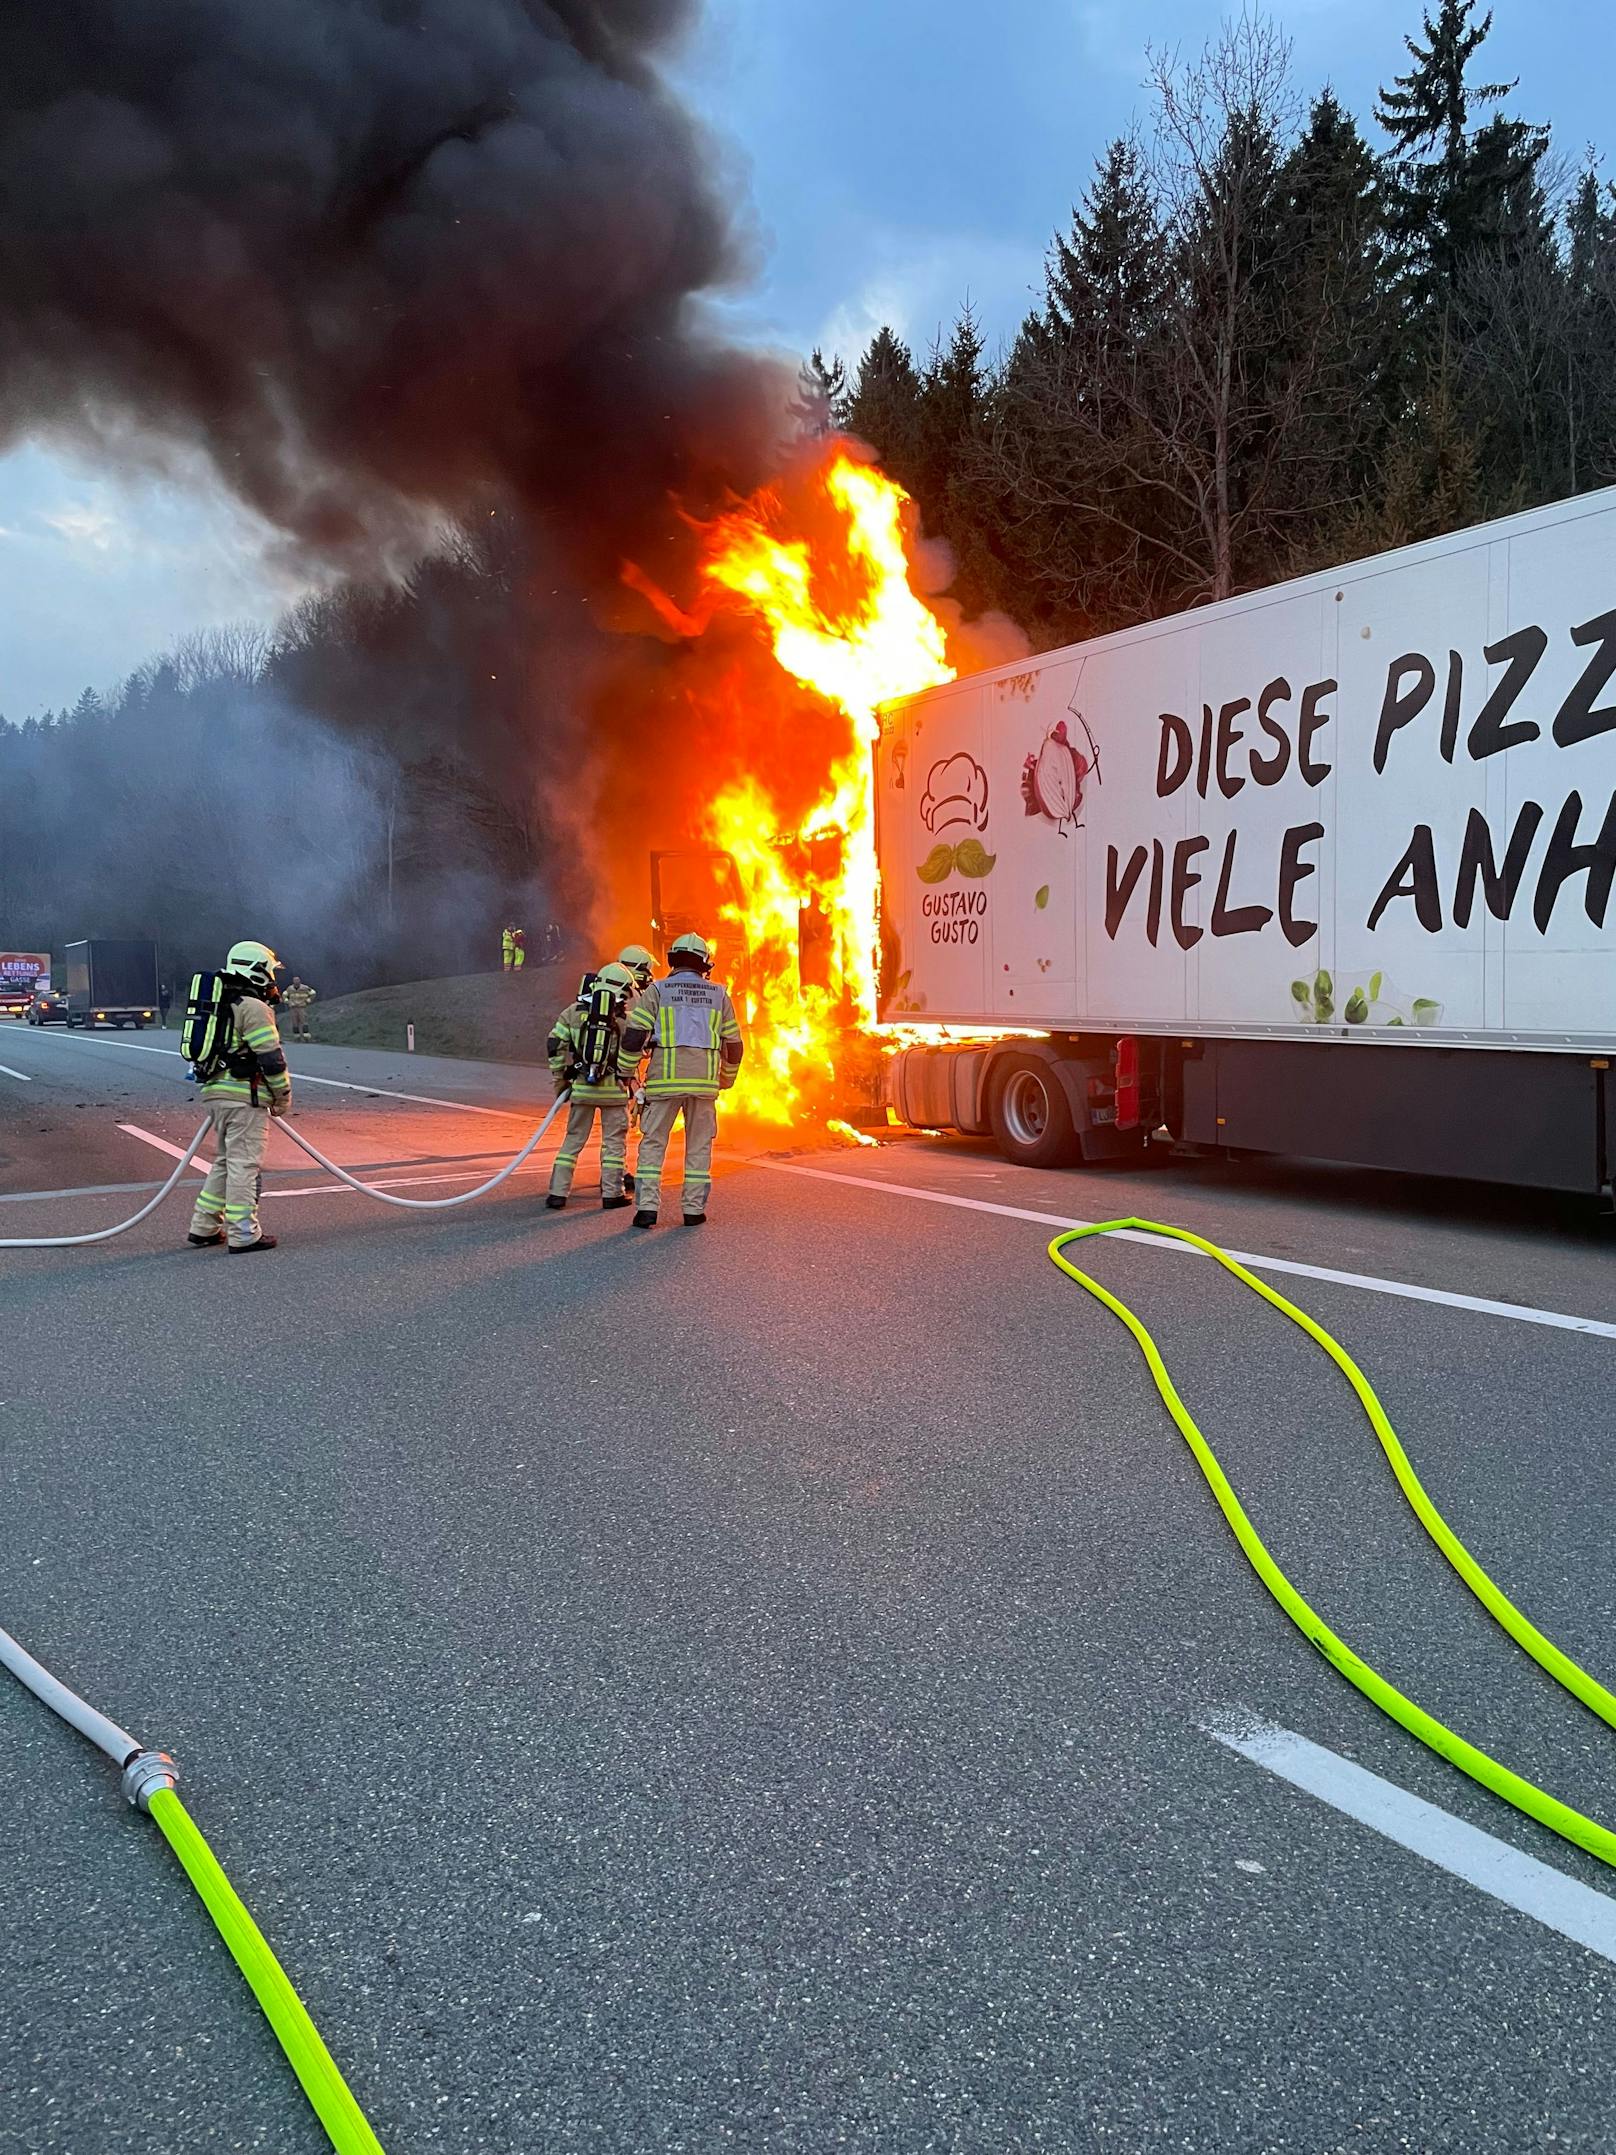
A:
(1324, 870)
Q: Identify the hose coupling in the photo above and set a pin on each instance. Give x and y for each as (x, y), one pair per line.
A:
(145, 1774)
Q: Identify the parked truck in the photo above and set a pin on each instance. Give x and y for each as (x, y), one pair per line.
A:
(112, 982)
(1325, 870)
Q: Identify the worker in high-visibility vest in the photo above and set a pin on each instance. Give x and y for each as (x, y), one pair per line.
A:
(507, 947)
(689, 1024)
(297, 996)
(518, 948)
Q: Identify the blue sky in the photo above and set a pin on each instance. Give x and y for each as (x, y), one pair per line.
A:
(896, 154)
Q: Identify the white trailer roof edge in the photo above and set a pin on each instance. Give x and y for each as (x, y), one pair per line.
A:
(1601, 501)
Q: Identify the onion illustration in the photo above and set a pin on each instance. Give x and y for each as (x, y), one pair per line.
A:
(1053, 779)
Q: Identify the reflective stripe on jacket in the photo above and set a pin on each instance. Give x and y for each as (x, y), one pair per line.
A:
(252, 1026)
(693, 1034)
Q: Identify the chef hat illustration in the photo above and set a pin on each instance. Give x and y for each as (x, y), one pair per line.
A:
(956, 792)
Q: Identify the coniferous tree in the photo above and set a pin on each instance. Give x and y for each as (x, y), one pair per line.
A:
(1072, 530)
(884, 407)
(821, 396)
(1343, 323)
(949, 409)
(1105, 276)
(1454, 182)
(948, 471)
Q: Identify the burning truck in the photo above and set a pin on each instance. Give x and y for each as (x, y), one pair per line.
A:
(1326, 869)
(784, 873)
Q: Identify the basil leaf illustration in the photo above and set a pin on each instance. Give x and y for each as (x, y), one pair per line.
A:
(1425, 1010)
(1374, 987)
(972, 859)
(938, 864)
(1040, 896)
(1301, 993)
(1357, 1007)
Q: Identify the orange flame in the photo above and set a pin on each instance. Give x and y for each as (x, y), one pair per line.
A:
(843, 620)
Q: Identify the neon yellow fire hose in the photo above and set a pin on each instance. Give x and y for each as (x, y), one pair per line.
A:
(345, 2123)
(1525, 1795)
(148, 1782)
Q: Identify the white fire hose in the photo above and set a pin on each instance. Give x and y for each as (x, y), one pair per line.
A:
(105, 1234)
(428, 1204)
(385, 1197)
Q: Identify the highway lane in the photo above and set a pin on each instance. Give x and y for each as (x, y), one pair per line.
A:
(750, 1688)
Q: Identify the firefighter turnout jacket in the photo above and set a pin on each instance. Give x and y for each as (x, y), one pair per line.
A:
(252, 1069)
(690, 1027)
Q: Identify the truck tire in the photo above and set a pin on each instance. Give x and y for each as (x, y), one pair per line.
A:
(1032, 1120)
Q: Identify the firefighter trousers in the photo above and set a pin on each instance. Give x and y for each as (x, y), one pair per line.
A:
(230, 1194)
(613, 1145)
(657, 1118)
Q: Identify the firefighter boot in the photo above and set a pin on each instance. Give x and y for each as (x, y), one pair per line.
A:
(695, 1219)
(645, 1219)
(614, 1204)
(205, 1242)
(555, 1204)
(242, 1249)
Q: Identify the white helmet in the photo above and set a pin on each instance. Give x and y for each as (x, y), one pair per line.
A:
(615, 975)
(638, 960)
(254, 962)
(692, 951)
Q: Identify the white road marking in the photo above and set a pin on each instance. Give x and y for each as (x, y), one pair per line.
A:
(1492, 1866)
(1521, 1312)
(175, 1152)
(21, 1075)
(382, 1091)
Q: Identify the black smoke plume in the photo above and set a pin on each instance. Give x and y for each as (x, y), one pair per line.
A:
(417, 277)
(378, 260)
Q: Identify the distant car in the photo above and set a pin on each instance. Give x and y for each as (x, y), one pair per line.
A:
(47, 1008)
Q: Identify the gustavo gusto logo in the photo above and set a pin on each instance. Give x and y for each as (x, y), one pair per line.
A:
(956, 798)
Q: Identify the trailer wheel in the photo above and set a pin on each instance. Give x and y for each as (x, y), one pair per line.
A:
(1031, 1119)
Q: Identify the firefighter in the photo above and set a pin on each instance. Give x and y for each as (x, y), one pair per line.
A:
(639, 962)
(518, 948)
(586, 1050)
(243, 1086)
(507, 947)
(694, 1036)
(297, 996)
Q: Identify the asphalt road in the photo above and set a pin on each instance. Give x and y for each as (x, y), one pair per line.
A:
(753, 1688)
